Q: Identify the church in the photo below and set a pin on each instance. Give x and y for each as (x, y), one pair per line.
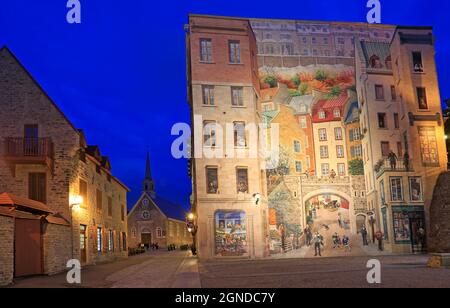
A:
(154, 220)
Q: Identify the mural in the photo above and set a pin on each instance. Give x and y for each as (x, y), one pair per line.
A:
(230, 234)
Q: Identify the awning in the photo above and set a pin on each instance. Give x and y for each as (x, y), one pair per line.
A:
(7, 199)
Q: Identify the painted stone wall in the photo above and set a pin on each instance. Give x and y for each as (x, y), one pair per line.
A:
(6, 250)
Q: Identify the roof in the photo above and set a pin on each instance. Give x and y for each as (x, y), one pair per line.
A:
(368, 49)
(7, 199)
(350, 116)
(268, 116)
(304, 100)
(168, 208)
(268, 94)
(329, 105)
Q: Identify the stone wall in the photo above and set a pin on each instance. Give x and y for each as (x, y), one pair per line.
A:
(439, 240)
(57, 245)
(6, 250)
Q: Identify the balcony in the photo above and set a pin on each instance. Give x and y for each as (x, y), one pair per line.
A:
(384, 166)
(28, 151)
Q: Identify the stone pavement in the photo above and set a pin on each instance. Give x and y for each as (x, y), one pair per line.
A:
(160, 269)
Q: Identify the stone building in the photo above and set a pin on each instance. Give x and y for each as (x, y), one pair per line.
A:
(53, 183)
(154, 220)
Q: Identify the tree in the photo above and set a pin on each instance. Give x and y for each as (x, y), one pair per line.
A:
(271, 80)
(321, 75)
(356, 167)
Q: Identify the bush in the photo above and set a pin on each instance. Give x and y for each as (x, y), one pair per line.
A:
(271, 81)
(321, 75)
(356, 167)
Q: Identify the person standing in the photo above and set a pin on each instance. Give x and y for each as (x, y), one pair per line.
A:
(392, 157)
(379, 236)
(364, 236)
(318, 242)
(346, 243)
(308, 236)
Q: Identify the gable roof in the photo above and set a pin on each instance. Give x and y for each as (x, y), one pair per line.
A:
(268, 116)
(167, 208)
(6, 51)
(7, 199)
(297, 101)
(349, 117)
(329, 105)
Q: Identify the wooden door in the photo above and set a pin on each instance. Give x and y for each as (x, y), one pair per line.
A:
(146, 239)
(28, 248)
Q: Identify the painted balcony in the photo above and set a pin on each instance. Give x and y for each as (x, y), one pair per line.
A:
(385, 166)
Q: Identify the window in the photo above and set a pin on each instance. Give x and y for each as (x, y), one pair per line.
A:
(341, 169)
(325, 169)
(303, 123)
(396, 121)
(382, 121)
(322, 114)
(338, 133)
(375, 62)
(302, 108)
(340, 151)
(337, 113)
(415, 188)
(287, 49)
(124, 241)
(37, 187)
(396, 189)
(422, 98)
(239, 134)
(159, 233)
(209, 133)
(379, 92)
(298, 167)
(323, 134)
(206, 50)
(393, 93)
(388, 63)
(341, 40)
(122, 212)
(133, 232)
(235, 52)
(355, 134)
(99, 199)
(385, 148)
(356, 151)
(242, 180)
(99, 240)
(417, 62)
(111, 241)
(110, 207)
(84, 193)
(208, 95)
(324, 151)
(428, 146)
(212, 183)
(237, 96)
(297, 146)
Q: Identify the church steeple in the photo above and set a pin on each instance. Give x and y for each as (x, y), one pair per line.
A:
(148, 184)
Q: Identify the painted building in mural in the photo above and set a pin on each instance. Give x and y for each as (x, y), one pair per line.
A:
(339, 125)
(154, 220)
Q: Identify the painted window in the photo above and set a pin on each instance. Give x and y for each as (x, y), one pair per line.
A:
(242, 180)
(237, 96)
(340, 151)
(322, 114)
(338, 133)
(323, 134)
(341, 169)
(297, 146)
(208, 95)
(230, 234)
(235, 52)
(422, 98)
(324, 151)
(396, 189)
(393, 93)
(382, 120)
(209, 133)
(325, 169)
(415, 189)
(99, 240)
(303, 123)
(379, 92)
(159, 233)
(428, 145)
(417, 62)
(206, 50)
(111, 240)
(385, 148)
(337, 113)
(212, 182)
(396, 121)
(239, 134)
(298, 167)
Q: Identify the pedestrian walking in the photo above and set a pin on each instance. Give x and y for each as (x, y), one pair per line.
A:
(346, 243)
(364, 234)
(336, 241)
(379, 236)
(318, 243)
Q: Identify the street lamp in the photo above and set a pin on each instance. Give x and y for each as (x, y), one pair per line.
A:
(192, 229)
(372, 223)
(75, 202)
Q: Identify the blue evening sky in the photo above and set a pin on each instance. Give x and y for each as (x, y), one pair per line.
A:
(120, 75)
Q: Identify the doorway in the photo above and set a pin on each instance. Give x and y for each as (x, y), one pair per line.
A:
(146, 239)
(31, 140)
(28, 247)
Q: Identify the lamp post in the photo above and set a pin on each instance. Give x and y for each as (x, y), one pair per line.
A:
(192, 229)
(372, 224)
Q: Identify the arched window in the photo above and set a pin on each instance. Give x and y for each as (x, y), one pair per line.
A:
(375, 62)
(159, 233)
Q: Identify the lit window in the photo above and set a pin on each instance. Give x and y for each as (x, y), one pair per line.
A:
(396, 189)
(99, 240)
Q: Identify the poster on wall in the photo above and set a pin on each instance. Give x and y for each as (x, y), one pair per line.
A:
(230, 234)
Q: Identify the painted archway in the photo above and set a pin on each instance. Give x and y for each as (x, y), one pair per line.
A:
(333, 192)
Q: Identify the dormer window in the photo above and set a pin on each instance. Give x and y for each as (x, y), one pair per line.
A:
(322, 114)
(375, 62)
(337, 113)
(303, 108)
